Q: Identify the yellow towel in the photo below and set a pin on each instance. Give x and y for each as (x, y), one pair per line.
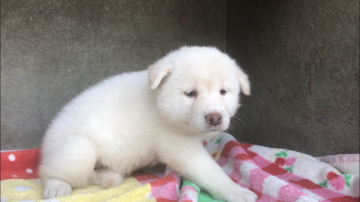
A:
(31, 190)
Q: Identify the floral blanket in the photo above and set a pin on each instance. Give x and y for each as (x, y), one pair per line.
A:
(273, 174)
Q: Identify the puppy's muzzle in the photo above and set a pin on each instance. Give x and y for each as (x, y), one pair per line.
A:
(213, 119)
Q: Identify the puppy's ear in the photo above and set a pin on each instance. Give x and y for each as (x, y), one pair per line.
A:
(157, 72)
(243, 80)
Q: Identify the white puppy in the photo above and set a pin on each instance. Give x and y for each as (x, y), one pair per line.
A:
(121, 125)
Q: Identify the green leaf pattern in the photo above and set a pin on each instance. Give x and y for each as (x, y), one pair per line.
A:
(347, 179)
(218, 140)
(281, 154)
(324, 184)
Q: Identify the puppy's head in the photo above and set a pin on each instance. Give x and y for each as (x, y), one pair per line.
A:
(198, 88)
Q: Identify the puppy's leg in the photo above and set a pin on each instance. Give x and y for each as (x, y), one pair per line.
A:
(106, 178)
(56, 188)
(192, 162)
(66, 163)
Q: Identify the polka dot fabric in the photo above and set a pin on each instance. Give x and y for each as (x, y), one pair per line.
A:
(21, 164)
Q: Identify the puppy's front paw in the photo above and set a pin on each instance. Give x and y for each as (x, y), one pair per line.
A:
(106, 178)
(56, 188)
(242, 195)
(111, 179)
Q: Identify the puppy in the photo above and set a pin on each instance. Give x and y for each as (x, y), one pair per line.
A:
(139, 119)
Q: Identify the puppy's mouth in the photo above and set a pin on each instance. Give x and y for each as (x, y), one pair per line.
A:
(209, 129)
(214, 128)
(204, 127)
(213, 131)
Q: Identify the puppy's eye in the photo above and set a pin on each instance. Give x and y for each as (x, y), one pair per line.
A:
(223, 91)
(191, 93)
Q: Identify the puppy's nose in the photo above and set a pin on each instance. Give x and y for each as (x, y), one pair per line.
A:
(213, 119)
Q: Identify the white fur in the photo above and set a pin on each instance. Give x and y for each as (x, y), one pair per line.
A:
(121, 125)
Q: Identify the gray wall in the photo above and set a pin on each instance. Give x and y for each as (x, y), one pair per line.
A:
(52, 50)
(303, 60)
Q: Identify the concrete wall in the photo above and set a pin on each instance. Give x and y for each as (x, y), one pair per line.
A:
(52, 50)
(302, 58)
(303, 61)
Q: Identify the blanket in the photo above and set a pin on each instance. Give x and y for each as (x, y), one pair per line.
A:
(273, 174)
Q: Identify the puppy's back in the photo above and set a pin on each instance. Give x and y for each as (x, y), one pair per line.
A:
(105, 105)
